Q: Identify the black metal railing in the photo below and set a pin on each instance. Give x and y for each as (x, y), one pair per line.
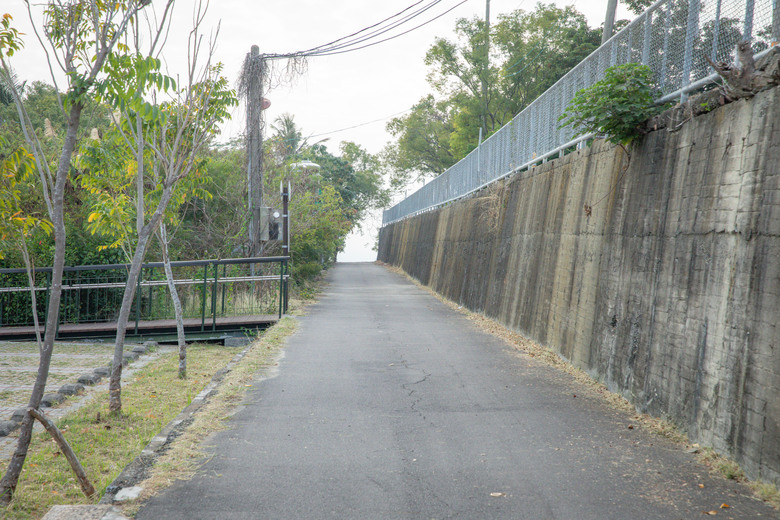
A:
(208, 289)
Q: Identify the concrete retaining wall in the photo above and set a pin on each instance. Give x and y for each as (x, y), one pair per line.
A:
(669, 291)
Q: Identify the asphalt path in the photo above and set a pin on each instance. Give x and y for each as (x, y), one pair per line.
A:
(390, 405)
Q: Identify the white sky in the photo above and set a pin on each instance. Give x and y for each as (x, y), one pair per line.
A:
(337, 92)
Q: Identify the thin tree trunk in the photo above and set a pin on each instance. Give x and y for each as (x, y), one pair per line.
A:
(11, 478)
(176, 302)
(33, 299)
(139, 218)
(78, 469)
(115, 383)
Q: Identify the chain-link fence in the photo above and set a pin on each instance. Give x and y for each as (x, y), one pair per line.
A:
(673, 37)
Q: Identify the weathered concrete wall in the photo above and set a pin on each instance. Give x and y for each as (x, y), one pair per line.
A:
(669, 291)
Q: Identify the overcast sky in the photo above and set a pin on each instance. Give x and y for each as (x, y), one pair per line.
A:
(356, 91)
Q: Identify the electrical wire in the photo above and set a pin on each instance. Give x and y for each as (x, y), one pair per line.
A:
(361, 124)
(352, 42)
(379, 32)
(397, 35)
(364, 29)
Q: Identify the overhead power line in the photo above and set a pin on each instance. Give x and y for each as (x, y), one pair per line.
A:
(397, 35)
(368, 36)
(361, 124)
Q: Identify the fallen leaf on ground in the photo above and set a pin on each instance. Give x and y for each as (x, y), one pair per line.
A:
(496, 495)
(710, 512)
(724, 506)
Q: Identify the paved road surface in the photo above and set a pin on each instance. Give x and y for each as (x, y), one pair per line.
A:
(389, 405)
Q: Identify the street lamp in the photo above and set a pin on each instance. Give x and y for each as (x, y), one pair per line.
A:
(285, 192)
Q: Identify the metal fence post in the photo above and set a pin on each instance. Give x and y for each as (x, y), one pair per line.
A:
(203, 299)
(646, 38)
(286, 285)
(224, 288)
(749, 9)
(214, 298)
(691, 32)
(716, 32)
(138, 300)
(281, 287)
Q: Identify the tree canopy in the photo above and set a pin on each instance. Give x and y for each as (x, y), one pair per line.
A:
(529, 52)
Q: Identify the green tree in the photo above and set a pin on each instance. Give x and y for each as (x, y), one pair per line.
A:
(422, 147)
(529, 52)
(187, 125)
(538, 48)
(80, 35)
(16, 226)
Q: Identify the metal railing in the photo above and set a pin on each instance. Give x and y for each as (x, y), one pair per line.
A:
(208, 289)
(672, 37)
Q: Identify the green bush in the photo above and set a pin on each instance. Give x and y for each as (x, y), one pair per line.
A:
(306, 271)
(617, 106)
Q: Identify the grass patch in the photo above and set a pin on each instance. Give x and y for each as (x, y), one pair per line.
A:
(104, 444)
(767, 492)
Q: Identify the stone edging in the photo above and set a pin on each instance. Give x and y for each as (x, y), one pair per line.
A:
(136, 470)
(70, 389)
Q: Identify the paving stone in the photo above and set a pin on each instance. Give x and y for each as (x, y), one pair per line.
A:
(71, 389)
(19, 414)
(99, 512)
(151, 344)
(102, 371)
(139, 349)
(238, 341)
(6, 427)
(89, 379)
(50, 400)
(129, 493)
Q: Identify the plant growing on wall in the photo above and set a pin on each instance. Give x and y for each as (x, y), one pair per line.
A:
(617, 106)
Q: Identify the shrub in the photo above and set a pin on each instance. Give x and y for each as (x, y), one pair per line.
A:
(617, 106)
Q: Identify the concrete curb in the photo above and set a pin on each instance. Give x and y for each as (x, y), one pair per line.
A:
(137, 469)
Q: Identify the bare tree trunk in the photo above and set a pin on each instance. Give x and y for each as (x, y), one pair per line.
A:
(11, 478)
(139, 218)
(115, 383)
(33, 299)
(176, 302)
(78, 469)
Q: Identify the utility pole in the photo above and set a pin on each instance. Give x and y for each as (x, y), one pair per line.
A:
(609, 21)
(254, 148)
(286, 235)
(486, 69)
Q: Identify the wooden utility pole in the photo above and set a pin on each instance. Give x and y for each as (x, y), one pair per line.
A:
(254, 148)
(609, 21)
(486, 69)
